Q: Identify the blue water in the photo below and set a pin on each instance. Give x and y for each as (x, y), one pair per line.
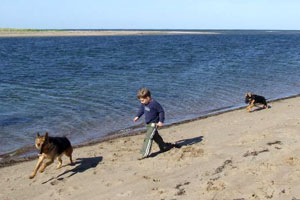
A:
(85, 87)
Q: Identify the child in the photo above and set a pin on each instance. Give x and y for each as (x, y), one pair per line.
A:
(154, 118)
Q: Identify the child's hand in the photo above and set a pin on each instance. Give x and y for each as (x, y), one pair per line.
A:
(135, 119)
(159, 124)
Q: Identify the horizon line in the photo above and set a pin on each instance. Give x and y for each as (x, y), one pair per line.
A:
(143, 29)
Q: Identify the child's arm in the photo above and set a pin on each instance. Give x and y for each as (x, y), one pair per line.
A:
(161, 115)
(135, 119)
(139, 113)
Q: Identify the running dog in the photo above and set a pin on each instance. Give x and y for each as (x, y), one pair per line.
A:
(253, 99)
(51, 148)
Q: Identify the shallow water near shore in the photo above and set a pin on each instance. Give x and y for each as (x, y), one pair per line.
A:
(85, 87)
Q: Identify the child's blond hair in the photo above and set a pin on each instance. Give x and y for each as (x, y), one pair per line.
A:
(143, 93)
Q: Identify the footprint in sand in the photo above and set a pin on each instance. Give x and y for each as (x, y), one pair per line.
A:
(60, 191)
(266, 189)
(155, 180)
(158, 190)
(255, 153)
(125, 194)
(55, 182)
(146, 177)
(188, 152)
(222, 167)
(215, 186)
(292, 161)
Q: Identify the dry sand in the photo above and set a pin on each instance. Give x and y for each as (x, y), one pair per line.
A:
(94, 33)
(235, 155)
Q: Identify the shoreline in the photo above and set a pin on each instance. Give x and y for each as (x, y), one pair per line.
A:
(233, 155)
(62, 33)
(24, 154)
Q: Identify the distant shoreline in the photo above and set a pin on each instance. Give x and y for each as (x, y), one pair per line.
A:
(60, 33)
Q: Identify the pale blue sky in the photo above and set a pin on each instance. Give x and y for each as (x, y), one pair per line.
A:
(150, 14)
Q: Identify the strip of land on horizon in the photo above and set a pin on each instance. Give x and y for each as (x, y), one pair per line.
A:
(50, 33)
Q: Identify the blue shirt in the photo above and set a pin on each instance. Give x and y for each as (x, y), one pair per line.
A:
(153, 111)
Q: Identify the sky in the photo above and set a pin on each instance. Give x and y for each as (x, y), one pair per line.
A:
(151, 14)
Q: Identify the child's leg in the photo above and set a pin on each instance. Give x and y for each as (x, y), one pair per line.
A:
(163, 146)
(159, 141)
(146, 149)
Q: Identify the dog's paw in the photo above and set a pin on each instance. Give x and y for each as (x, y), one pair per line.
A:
(31, 176)
(58, 166)
(42, 170)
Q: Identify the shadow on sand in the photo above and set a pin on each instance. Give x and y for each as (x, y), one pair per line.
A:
(258, 108)
(81, 165)
(179, 144)
(190, 141)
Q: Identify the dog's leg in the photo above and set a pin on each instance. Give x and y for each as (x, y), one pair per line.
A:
(71, 161)
(251, 105)
(46, 165)
(68, 153)
(41, 158)
(248, 108)
(266, 106)
(60, 162)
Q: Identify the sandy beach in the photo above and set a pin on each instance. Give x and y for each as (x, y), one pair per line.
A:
(45, 33)
(235, 155)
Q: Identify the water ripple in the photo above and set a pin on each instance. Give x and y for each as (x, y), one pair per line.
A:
(85, 87)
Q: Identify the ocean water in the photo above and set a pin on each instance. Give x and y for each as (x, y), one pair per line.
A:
(85, 87)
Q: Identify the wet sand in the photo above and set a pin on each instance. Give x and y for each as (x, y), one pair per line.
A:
(234, 155)
(46, 33)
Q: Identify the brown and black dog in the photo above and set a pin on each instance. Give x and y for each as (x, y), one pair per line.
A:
(51, 148)
(253, 99)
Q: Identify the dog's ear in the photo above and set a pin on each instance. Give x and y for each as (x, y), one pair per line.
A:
(38, 134)
(46, 135)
